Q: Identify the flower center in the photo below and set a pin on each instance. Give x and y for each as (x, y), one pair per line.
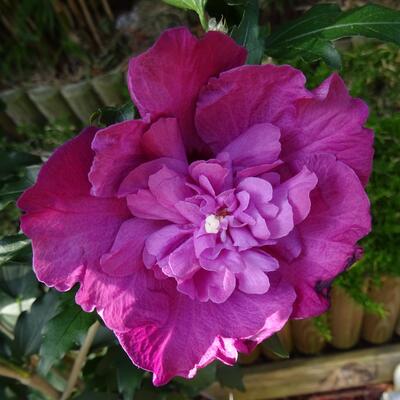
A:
(212, 223)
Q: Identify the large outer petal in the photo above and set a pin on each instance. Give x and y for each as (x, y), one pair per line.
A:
(69, 228)
(339, 217)
(331, 122)
(166, 332)
(166, 79)
(245, 96)
(117, 150)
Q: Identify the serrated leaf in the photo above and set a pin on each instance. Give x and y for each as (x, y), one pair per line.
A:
(230, 376)
(195, 5)
(274, 345)
(66, 329)
(247, 34)
(129, 377)
(313, 33)
(29, 327)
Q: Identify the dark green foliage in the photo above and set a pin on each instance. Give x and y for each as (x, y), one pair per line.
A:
(248, 33)
(274, 345)
(312, 35)
(112, 115)
(231, 377)
(30, 325)
(62, 332)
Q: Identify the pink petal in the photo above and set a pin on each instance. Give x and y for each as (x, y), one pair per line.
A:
(298, 189)
(196, 332)
(339, 217)
(242, 97)
(168, 187)
(253, 282)
(260, 190)
(138, 178)
(161, 243)
(144, 204)
(215, 286)
(182, 261)
(126, 254)
(257, 146)
(166, 79)
(118, 150)
(69, 228)
(282, 223)
(211, 175)
(332, 122)
(163, 139)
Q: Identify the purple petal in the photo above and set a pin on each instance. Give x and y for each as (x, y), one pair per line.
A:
(257, 146)
(245, 96)
(331, 122)
(118, 150)
(163, 139)
(166, 79)
(69, 228)
(126, 254)
(339, 217)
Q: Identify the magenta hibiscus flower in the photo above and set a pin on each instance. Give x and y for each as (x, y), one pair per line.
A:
(198, 230)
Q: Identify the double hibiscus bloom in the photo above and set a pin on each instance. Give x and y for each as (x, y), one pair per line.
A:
(200, 229)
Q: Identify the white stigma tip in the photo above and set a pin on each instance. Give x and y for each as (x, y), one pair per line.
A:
(211, 224)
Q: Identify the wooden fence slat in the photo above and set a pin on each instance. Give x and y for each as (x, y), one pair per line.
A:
(379, 330)
(345, 319)
(307, 339)
(315, 375)
(82, 99)
(49, 101)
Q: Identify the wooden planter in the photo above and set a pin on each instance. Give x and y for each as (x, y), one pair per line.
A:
(378, 330)
(20, 108)
(307, 339)
(345, 319)
(326, 373)
(82, 99)
(49, 101)
(109, 88)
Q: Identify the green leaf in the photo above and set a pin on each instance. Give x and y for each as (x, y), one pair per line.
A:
(195, 5)
(129, 377)
(111, 115)
(204, 378)
(12, 246)
(247, 34)
(371, 20)
(18, 280)
(12, 189)
(311, 36)
(11, 162)
(29, 327)
(61, 333)
(230, 376)
(274, 345)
